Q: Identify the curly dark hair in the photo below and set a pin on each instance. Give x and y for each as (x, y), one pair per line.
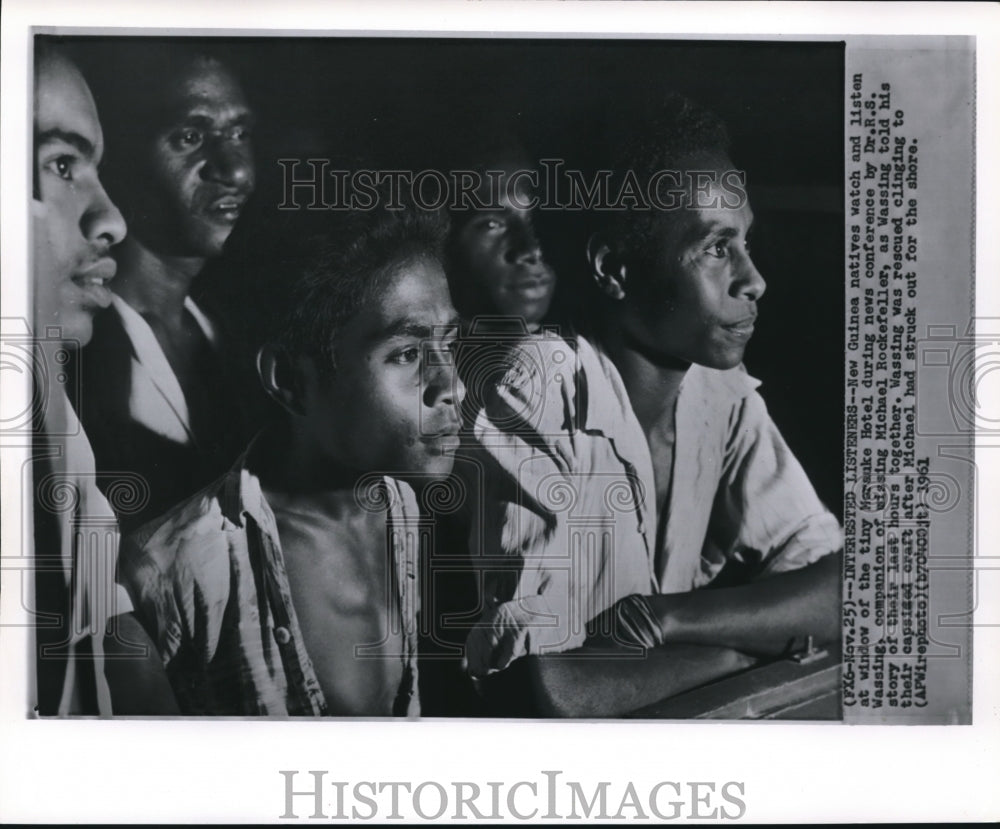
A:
(310, 272)
(677, 134)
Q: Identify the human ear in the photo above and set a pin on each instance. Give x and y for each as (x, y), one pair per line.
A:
(606, 269)
(282, 378)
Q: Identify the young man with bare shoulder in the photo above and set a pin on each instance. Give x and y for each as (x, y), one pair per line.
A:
(632, 466)
(290, 585)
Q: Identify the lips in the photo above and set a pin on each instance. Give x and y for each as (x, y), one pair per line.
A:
(93, 281)
(442, 443)
(227, 208)
(742, 328)
(534, 284)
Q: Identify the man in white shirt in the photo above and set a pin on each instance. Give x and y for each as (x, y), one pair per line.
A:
(92, 656)
(157, 388)
(623, 475)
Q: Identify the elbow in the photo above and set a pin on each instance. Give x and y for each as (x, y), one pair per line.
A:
(549, 689)
(561, 689)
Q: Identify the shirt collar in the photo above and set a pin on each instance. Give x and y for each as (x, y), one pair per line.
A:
(604, 412)
(142, 335)
(241, 492)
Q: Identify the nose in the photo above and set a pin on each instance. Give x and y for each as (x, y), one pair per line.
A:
(229, 163)
(748, 283)
(103, 221)
(442, 385)
(523, 245)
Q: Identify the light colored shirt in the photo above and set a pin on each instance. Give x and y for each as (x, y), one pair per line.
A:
(209, 584)
(169, 440)
(80, 538)
(567, 517)
(156, 399)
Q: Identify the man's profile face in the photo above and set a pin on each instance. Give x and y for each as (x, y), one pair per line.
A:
(196, 171)
(74, 222)
(391, 405)
(499, 260)
(696, 297)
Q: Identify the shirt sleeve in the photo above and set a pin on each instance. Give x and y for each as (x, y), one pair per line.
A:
(153, 598)
(179, 579)
(542, 582)
(767, 503)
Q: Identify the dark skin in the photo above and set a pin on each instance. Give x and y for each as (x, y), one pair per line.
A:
(156, 286)
(698, 303)
(192, 179)
(709, 633)
(583, 684)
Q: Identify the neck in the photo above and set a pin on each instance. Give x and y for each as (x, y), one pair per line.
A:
(153, 284)
(652, 381)
(288, 465)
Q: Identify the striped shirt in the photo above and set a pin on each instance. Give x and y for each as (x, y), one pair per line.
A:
(567, 516)
(209, 584)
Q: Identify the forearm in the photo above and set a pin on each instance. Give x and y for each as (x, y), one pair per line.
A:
(136, 678)
(763, 617)
(589, 683)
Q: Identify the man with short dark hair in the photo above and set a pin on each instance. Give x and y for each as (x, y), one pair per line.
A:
(502, 287)
(496, 267)
(291, 584)
(157, 387)
(641, 464)
(92, 658)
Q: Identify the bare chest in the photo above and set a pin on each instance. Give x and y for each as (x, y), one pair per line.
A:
(661, 451)
(344, 588)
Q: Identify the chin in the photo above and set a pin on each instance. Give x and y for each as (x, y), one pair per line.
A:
(75, 331)
(722, 361)
(208, 240)
(729, 363)
(422, 469)
(438, 468)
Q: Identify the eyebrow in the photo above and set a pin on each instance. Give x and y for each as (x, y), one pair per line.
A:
(407, 327)
(723, 231)
(74, 139)
(207, 122)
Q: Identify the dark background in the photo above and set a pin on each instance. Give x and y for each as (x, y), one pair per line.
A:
(397, 101)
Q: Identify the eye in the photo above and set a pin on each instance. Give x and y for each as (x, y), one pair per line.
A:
(63, 166)
(240, 134)
(186, 139)
(491, 223)
(406, 356)
(719, 250)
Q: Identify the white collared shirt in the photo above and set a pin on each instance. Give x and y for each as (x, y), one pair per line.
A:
(568, 496)
(88, 540)
(154, 382)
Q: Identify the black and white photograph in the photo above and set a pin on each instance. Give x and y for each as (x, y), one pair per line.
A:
(399, 384)
(415, 390)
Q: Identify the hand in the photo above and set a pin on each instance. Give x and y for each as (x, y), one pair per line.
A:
(497, 640)
(630, 621)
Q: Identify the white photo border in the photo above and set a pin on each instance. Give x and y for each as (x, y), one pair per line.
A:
(224, 771)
